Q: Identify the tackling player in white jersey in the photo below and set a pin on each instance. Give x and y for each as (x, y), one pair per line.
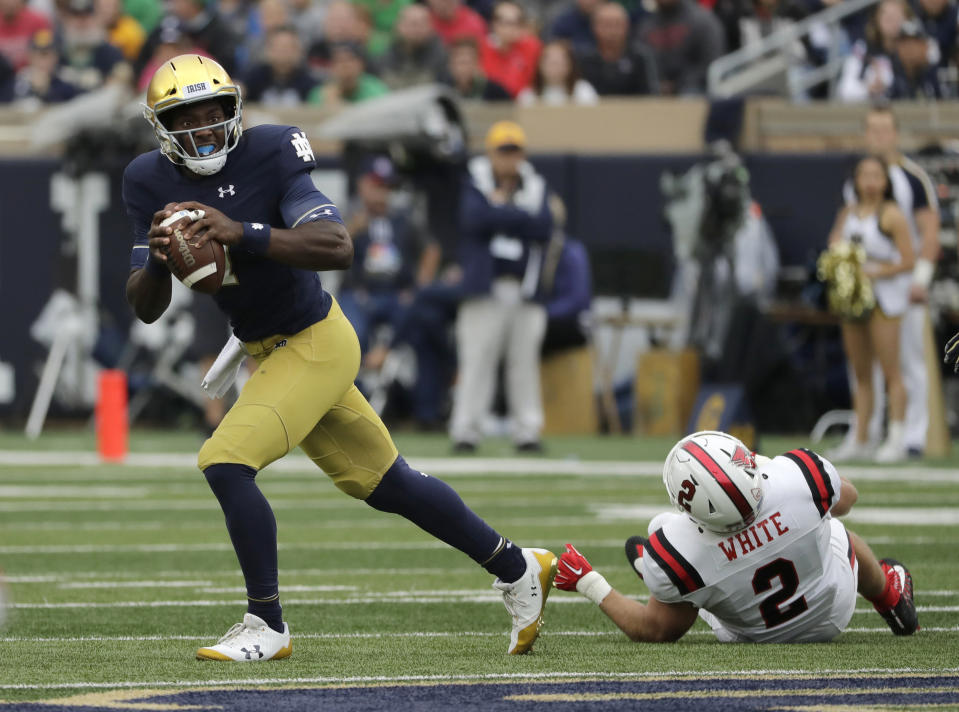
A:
(755, 551)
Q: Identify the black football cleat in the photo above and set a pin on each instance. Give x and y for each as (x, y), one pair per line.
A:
(462, 447)
(530, 447)
(634, 552)
(902, 618)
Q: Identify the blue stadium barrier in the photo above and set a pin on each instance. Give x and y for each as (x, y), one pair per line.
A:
(614, 207)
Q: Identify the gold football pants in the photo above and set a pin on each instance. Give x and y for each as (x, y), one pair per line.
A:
(303, 394)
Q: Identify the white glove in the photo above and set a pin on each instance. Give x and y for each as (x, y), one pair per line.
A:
(222, 373)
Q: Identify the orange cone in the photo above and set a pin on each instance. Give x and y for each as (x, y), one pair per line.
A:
(112, 427)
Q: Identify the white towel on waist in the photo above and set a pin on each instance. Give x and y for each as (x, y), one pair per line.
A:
(222, 373)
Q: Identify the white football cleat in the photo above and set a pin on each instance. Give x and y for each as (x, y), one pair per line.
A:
(891, 451)
(849, 449)
(525, 598)
(250, 641)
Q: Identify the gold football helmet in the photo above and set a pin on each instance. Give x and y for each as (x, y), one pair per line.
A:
(187, 79)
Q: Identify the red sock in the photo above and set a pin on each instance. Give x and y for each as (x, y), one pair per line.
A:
(889, 596)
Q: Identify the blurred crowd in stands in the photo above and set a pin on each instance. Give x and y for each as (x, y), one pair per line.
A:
(328, 52)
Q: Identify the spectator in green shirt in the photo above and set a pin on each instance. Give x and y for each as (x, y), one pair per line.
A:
(146, 12)
(349, 82)
(383, 16)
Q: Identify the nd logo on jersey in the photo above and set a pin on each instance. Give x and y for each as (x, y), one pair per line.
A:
(301, 144)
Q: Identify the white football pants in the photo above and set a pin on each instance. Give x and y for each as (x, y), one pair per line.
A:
(488, 329)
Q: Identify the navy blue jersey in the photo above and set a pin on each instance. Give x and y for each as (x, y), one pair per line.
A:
(266, 179)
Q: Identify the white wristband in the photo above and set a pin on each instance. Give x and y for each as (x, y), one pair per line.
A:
(922, 272)
(594, 587)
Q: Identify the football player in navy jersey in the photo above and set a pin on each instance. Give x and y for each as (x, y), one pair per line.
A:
(278, 230)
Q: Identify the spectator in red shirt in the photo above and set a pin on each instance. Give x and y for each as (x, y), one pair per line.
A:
(452, 20)
(510, 53)
(18, 24)
(465, 75)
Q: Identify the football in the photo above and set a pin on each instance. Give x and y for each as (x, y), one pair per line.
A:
(199, 268)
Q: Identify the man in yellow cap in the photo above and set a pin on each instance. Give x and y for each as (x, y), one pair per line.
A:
(505, 221)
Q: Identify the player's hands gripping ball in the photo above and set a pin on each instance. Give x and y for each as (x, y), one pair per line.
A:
(199, 266)
(952, 352)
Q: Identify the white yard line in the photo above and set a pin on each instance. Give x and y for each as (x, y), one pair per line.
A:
(414, 597)
(54, 549)
(386, 636)
(130, 584)
(903, 516)
(207, 587)
(216, 523)
(234, 574)
(488, 677)
(448, 466)
(222, 546)
(64, 492)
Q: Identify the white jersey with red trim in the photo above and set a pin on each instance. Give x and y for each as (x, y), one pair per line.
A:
(775, 581)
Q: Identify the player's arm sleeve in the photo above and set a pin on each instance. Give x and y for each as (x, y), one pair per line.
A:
(135, 202)
(821, 477)
(300, 201)
(303, 203)
(655, 578)
(835, 482)
(670, 576)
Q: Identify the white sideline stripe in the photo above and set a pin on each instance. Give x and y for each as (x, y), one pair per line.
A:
(216, 525)
(386, 636)
(223, 546)
(470, 596)
(66, 582)
(202, 586)
(181, 574)
(212, 525)
(914, 516)
(361, 679)
(904, 516)
(151, 505)
(130, 584)
(35, 550)
(300, 463)
(487, 466)
(239, 590)
(154, 548)
(206, 504)
(233, 574)
(62, 492)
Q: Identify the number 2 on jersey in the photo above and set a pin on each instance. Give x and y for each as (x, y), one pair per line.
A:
(785, 570)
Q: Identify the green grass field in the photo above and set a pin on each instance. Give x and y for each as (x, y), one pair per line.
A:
(118, 572)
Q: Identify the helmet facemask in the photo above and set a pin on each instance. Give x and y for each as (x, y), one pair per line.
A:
(177, 145)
